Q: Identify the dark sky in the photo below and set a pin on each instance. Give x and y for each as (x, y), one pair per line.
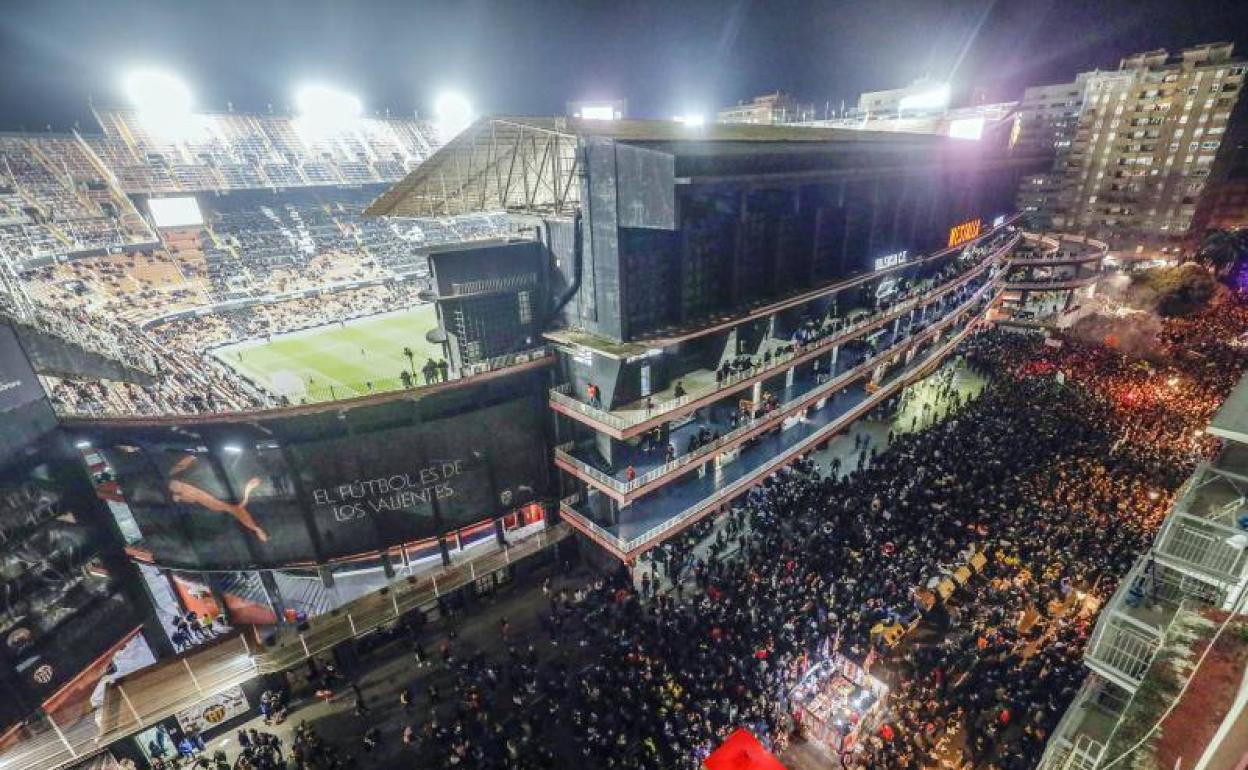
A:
(530, 57)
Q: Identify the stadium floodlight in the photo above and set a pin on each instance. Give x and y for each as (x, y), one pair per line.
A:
(453, 113)
(598, 112)
(323, 109)
(933, 99)
(691, 119)
(967, 128)
(163, 103)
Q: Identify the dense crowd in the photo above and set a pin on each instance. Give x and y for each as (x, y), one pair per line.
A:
(1059, 473)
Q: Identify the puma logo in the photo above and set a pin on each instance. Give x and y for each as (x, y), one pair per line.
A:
(184, 492)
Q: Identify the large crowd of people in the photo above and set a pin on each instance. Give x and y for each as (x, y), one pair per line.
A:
(657, 674)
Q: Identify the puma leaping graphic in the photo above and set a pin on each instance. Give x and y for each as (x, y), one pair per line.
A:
(184, 492)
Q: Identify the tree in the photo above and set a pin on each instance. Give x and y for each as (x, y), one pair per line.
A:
(1221, 250)
(1173, 291)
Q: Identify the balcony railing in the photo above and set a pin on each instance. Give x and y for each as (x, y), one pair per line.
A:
(813, 440)
(626, 548)
(1079, 740)
(623, 487)
(1050, 284)
(1201, 535)
(149, 695)
(562, 394)
(1135, 621)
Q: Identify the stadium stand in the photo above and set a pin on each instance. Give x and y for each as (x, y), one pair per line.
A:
(282, 246)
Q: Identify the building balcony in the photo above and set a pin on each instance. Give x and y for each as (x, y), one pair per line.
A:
(1084, 250)
(703, 387)
(1203, 537)
(1079, 740)
(805, 388)
(728, 472)
(1135, 622)
(1050, 284)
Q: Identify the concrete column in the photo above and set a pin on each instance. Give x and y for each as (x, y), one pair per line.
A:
(788, 377)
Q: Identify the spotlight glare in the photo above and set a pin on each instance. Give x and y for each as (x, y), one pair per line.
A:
(453, 113)
(162, 102)
(323, 109)
(691, 119)
(935, 99)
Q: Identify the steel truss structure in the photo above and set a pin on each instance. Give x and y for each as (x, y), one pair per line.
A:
(521, 165)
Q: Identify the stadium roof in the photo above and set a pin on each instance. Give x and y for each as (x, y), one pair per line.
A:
(530, 164)
(517, 164)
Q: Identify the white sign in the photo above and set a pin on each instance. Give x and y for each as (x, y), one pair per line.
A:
(218, 709)
(892, 260)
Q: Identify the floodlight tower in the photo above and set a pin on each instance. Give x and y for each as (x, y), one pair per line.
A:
(325, 108)
(453, 113)
(163, 103)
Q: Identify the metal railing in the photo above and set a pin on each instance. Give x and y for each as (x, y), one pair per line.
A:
(1204, 546)
(562, 394)
(378, 609)
(1059, 284)
(866, 406)
(624, 487)
(627, 547)
(1135, 621)
(1068, 737)
(149, 695)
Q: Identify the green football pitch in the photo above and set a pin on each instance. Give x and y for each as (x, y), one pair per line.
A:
(338, 360)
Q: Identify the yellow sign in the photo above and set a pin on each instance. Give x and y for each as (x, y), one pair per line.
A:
(964, 232)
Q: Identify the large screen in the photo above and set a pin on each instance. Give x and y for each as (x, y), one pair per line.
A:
(252, 501)
(175, 212)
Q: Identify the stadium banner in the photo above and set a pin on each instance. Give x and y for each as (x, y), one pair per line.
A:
(217, 710)
(246, 498)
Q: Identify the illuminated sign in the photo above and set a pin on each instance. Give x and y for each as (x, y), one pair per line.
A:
(964, 232)
(998, 221)
(892, 260)
(886, 288)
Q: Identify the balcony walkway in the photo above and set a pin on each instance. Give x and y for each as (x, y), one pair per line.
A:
(677, 503)
(716, 419)
(631, 419)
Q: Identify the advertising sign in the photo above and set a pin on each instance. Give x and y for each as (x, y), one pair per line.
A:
(217, 710)
(249, 503)
(968, 230)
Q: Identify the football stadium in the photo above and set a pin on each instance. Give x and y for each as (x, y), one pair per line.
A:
(353, 358)
(335, 439)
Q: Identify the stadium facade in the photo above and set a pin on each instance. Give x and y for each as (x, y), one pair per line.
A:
(670, 312)
(728, 297)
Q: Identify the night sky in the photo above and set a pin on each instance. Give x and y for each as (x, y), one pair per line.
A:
(531, 57)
